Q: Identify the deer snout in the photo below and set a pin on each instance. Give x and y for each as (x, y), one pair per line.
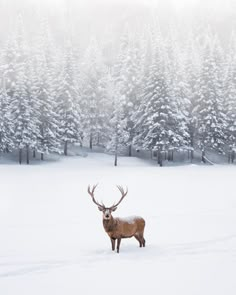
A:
(107, 214)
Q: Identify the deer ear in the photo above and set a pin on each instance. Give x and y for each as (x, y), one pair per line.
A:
(100, 208)
(114, 209)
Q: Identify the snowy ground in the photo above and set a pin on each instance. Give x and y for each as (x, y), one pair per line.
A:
(52, 239)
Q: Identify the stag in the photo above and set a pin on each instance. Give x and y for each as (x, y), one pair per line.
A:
(119, 228)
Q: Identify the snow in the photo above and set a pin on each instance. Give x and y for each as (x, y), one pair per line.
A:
(130, 219)
(53, 241)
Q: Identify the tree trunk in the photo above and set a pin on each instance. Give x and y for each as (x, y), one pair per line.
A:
(27, 155)
(65, 148)
(7, 149)
(20, 156)
(203, 156)
(98, 139)
(34, 153)
(159, 157)
(42, 157)
(229, 157)
(192, 155)
(233, 156)
(116, 151)
(91, 142)
(82, 141)
(169, 156)
(172, 156)
(115, 163)
(192, 144)
(130, 150)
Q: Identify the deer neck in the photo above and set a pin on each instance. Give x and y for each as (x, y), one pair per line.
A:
(109, 224)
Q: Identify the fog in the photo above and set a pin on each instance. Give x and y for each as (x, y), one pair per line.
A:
(83, 18)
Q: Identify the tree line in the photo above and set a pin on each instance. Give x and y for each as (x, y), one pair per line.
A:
(151, 92)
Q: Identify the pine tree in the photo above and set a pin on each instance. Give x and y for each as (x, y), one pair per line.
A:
(70, 127)
(192, 79)
(33, 93)
(175, 75)
(6, 143)
(210, 101)
(230, 99)
(45, 89)
(140, 116)
(94, 99)
(118, 135)
(22, 114)
(130, 88)
(157, 131)
(9, 61)
(20, 106)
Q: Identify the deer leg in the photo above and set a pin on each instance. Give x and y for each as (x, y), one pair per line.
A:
(139, 239)
(113, 242)
(118, 244)
(144, 242)
(142, 239)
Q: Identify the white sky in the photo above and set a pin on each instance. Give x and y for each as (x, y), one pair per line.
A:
(180, 5)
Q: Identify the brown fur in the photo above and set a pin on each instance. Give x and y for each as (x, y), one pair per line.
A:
(118, 228)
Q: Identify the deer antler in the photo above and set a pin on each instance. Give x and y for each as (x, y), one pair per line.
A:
(91, 193)
(123, 194)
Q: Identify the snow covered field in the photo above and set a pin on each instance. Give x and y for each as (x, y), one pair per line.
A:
(53, 242)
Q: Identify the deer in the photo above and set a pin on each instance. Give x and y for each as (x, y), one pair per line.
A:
(119, 228)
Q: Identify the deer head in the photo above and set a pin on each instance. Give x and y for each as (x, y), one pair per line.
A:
(101, 207)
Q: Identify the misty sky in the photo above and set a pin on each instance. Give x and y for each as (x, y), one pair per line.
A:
(179, 4)
(82, 18)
